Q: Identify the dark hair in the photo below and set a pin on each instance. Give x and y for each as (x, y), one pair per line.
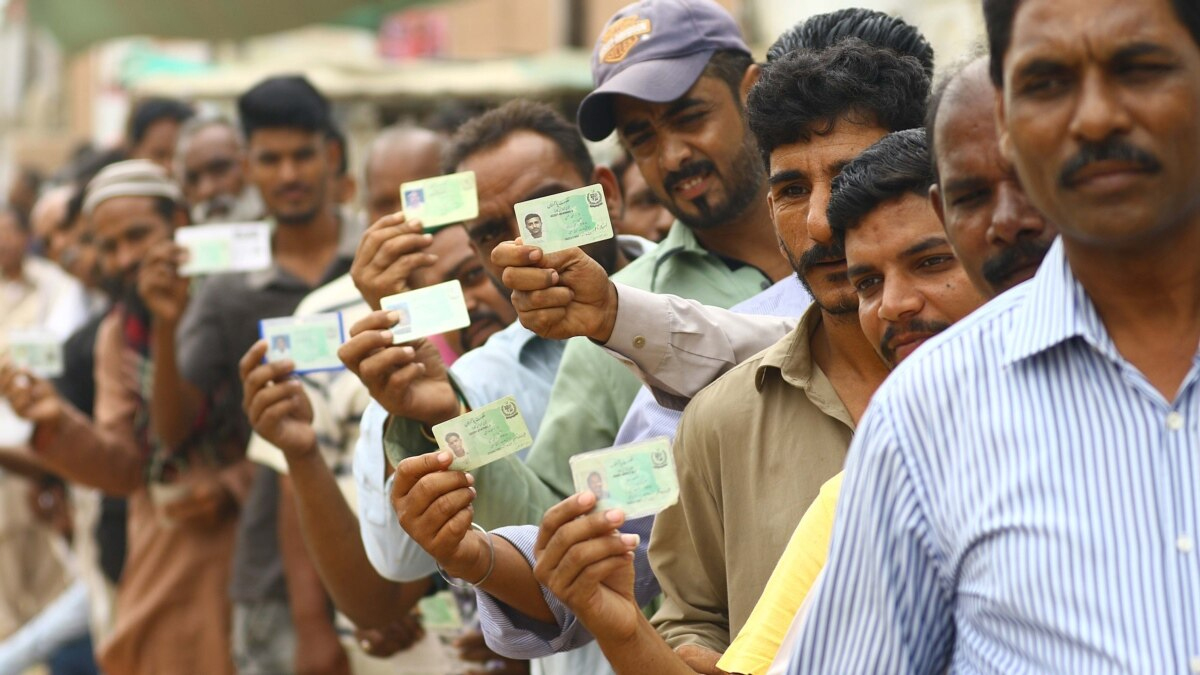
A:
(729, 66)
(999, 16)
(338, 137)
(289, 101)
(949, 77)
(896, 165)
(806, 92)
(494, 126)
(152, 110)
(873, 27)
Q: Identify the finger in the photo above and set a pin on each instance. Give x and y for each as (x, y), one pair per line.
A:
(557, 297)
(264, 374)
(439, 496)
(391, 369)
(379, 232)
(594, 574)
(252, 358)
(528, 278)
(359, 348)
(581, 555)
(560, 514)
(413, 469)
(402, 246)
(586, 528)
(514, 254)
(375, 321)
(281, 399)
(453, 531)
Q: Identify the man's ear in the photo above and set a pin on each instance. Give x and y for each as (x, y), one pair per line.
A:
(748, 82)
(333, 153)
(612, 192)
(181, 217)
(935, 200)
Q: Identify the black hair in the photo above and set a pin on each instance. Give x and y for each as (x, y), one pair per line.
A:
(494, 126)
(999, 16)
(729, 66)
(871, 26)
(288, 101)
(949, 77)
(806, 92)
(896, 165)
(152, 110)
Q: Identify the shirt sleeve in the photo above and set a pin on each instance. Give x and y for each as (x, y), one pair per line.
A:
(760, 638)
(389, 548)
(647, 419)
(686, 549)
(679, 346)
(512, 634)
(884, 605)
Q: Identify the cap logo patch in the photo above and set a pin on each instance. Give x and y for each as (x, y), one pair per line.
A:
(621, 37)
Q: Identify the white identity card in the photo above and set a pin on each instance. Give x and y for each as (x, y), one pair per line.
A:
(427, 311)
(39, 352)
(311, 341)
(218, 249)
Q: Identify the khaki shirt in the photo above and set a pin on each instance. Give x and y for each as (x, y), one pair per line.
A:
(753, 450)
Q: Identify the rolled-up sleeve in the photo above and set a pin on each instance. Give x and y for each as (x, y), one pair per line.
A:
(512, 634)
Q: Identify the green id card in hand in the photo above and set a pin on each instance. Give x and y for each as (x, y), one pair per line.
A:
(638, 478)
(484, 435)
(565, 220)
(441, 201)
(311, 341)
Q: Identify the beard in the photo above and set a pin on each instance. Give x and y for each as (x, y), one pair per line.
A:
(742, 187)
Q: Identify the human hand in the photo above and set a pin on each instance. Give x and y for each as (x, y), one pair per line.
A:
(408, 380)
(164, 292)
(276, 405)
(433, 505)
(31, 397)
(473, 649)
(391, 248)
(392, 638)
(588, 564)
(558, 295)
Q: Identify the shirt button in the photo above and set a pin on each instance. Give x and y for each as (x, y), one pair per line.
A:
(639, 341)
(1174, 420)
(1184, 543)
(1194, 664)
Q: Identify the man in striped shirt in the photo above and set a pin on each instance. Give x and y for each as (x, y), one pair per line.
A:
(1020, 496)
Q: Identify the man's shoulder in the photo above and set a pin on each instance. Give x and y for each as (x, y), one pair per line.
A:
(640, 272)
(337, 295)
(733, 391)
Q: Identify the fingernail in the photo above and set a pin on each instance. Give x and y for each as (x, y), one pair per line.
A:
(443, 457)
(554, 277)
(614, 515)
(470, 479)
(428, 237)
(385, 335)
(394, 317)
(473, 492)
(583, 498)
(631, 539)
(409, 351)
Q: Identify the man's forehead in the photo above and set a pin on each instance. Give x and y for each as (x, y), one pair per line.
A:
(831, 151)
(1091, 28)
(706, 89)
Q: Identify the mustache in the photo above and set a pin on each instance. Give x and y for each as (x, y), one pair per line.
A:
(689, 170)
(296, 185)
(1004, 264)
(820, 253)
(910, 326)
(1110, 150)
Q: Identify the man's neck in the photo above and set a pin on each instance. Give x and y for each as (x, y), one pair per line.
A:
(750, 238)
(306, 249)
(843, 353)
(1148, 299)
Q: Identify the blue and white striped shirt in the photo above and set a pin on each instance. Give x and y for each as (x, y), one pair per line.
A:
(1018, 499)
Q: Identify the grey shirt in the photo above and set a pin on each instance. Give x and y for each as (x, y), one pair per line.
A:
(220, 324)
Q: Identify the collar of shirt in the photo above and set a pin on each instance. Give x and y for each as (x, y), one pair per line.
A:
(1054, 309)
(681, 242)
(348, 237)
(790, 359)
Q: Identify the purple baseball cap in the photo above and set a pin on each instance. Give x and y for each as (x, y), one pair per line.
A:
(654, 50)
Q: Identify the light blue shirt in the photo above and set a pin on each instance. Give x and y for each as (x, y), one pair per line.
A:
(1018, 499)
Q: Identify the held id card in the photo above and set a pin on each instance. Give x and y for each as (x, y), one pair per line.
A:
(427, 311)
(484, 435)
(311, 341)
(438, 202)
(39, 352)
(218, 249)
(565, 220)
(638, 478)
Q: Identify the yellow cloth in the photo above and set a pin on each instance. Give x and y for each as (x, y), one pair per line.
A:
(755, 646)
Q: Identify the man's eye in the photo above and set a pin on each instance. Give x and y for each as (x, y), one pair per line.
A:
(935, 260)
(865, 284)
(795, 191)
(972, 198)
(472, 276)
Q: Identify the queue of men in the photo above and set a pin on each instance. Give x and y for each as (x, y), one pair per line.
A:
(947, 425)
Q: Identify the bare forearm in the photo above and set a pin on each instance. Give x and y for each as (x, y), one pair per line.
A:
(330, 532)
(306, 594)
(645, 653)
(176, 401)
(81, 453)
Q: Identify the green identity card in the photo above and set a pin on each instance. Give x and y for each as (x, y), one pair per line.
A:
(218, 249)
(311, 341)
(484, 435)
(565, 220)
(438, 202)
(638, 478)
(427, 311)
(39, 352)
